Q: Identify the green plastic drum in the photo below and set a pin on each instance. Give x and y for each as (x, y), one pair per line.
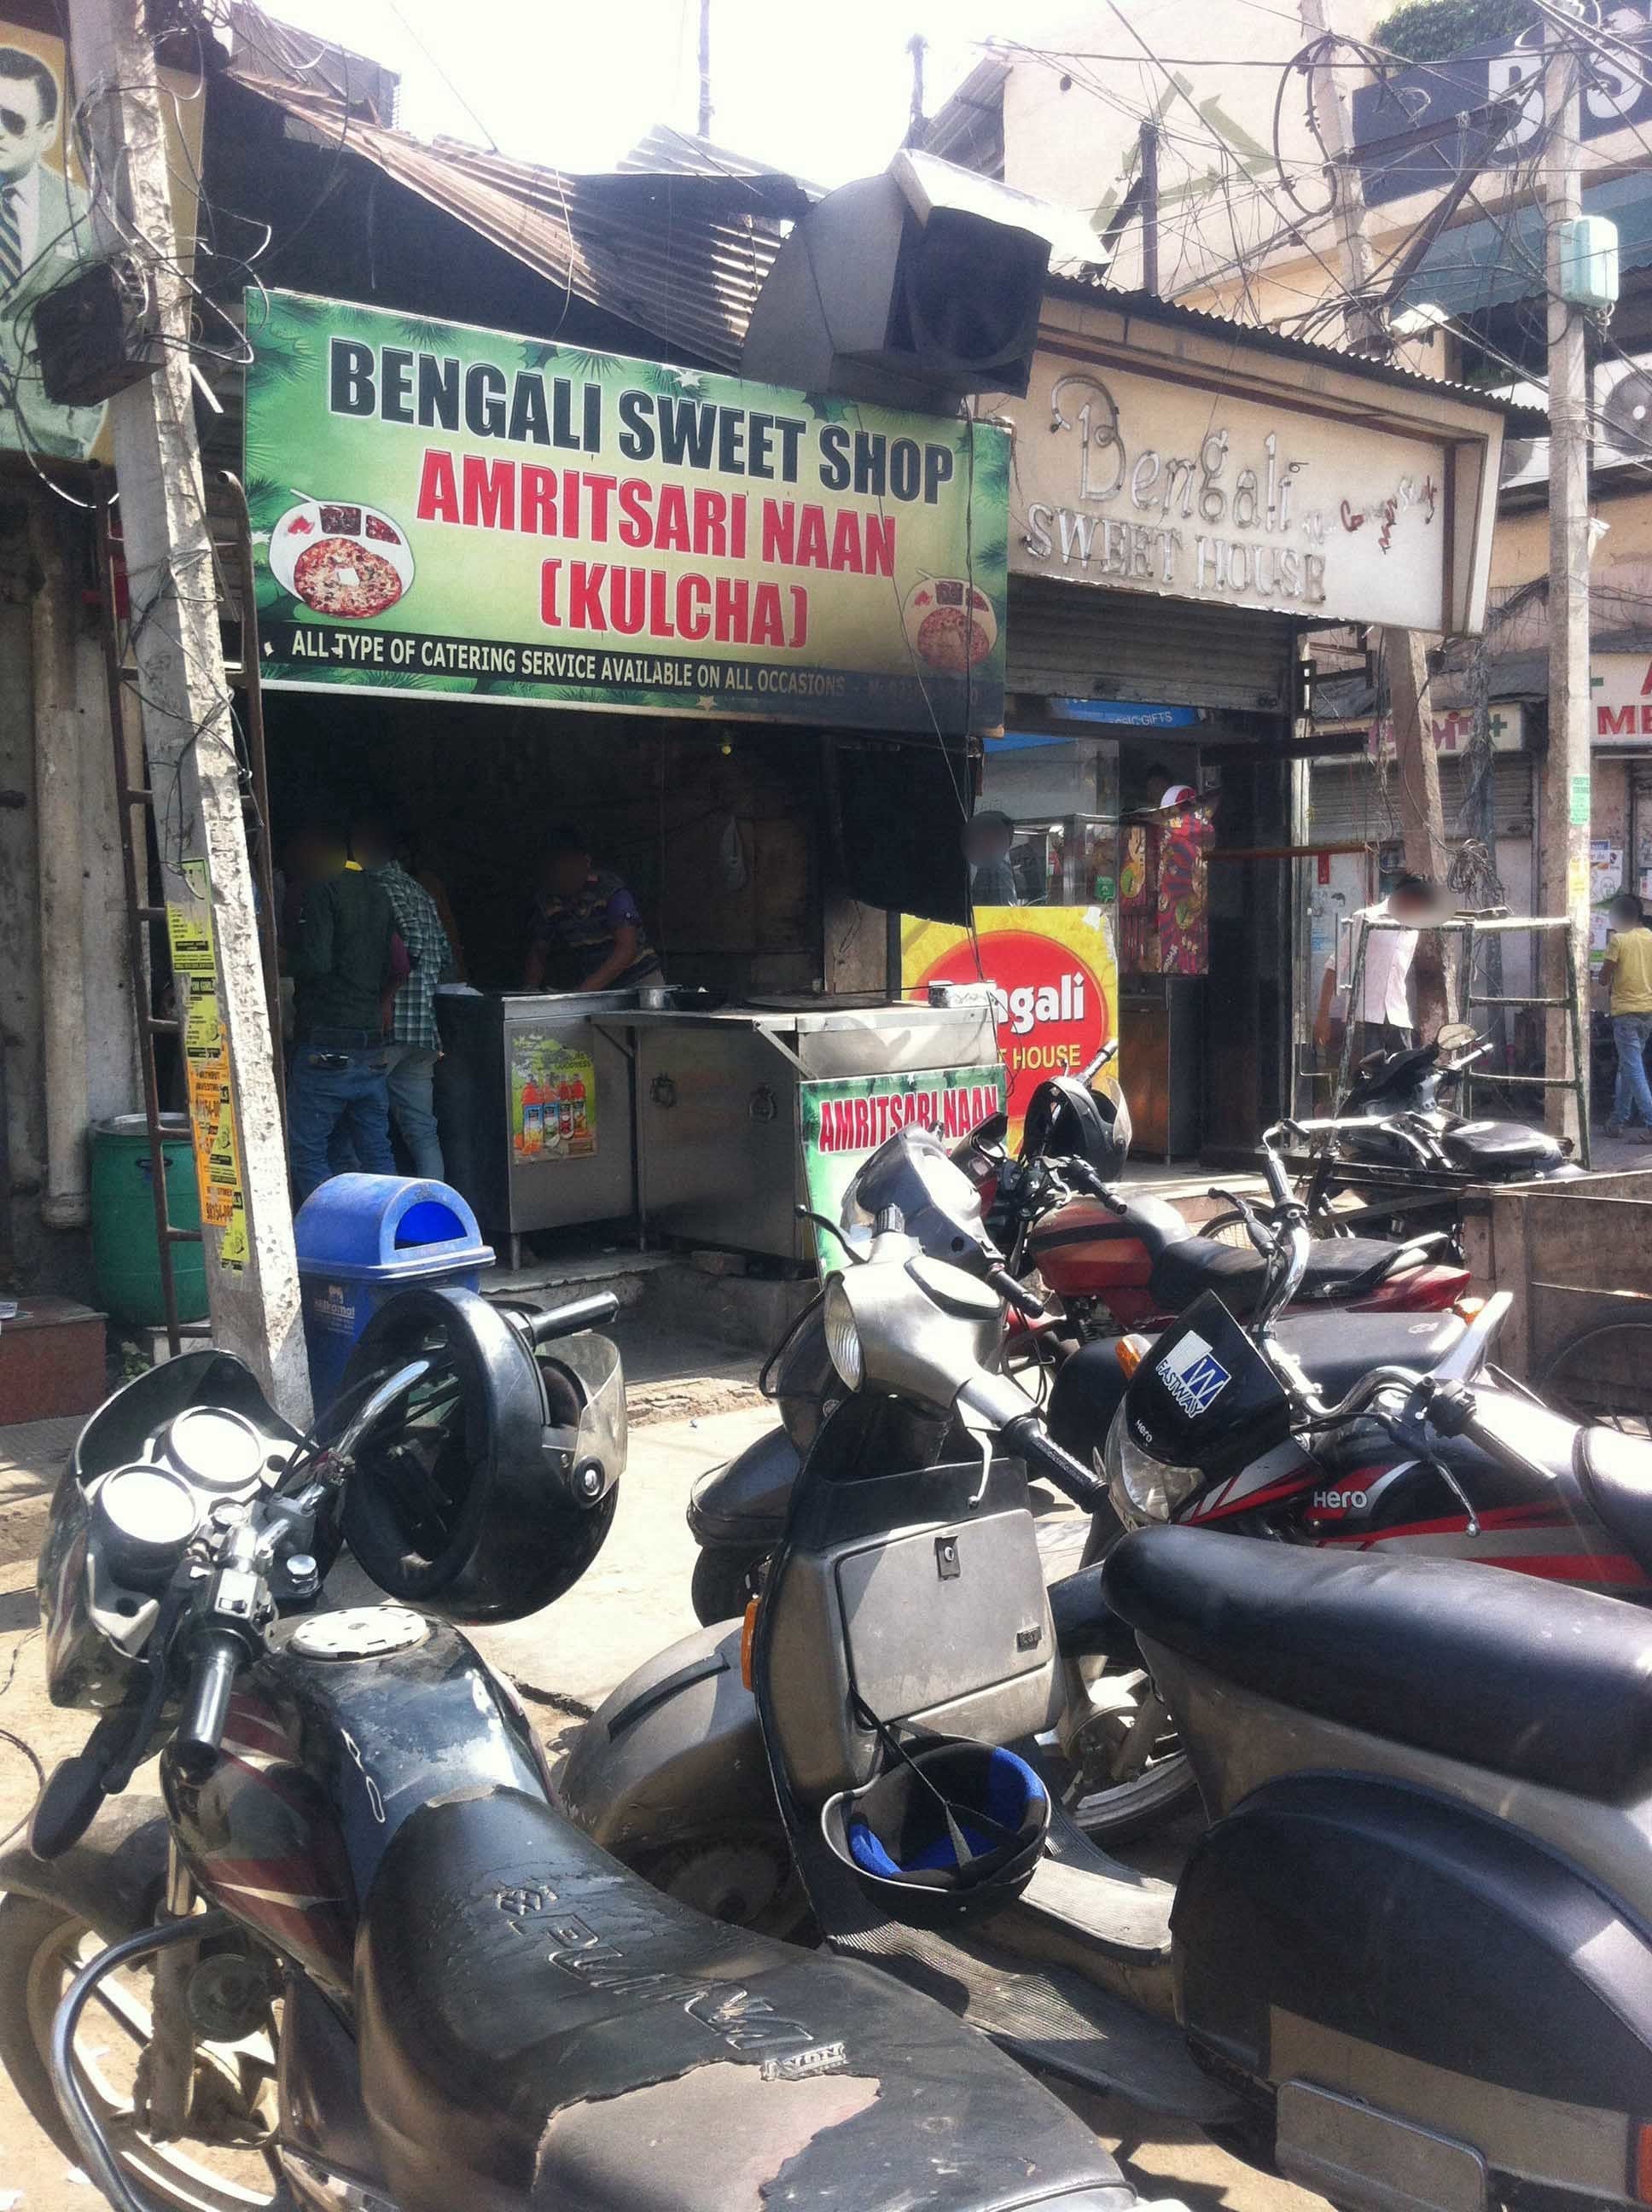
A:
(124, 1253)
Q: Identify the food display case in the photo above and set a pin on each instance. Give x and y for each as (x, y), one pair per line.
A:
(719, 1125)
(534, 1105)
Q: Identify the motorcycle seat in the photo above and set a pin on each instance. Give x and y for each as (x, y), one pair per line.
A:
(1616, 1475)
(1493, 1670)
(1499, 1148)
(538, 2026)
(1339, 1268)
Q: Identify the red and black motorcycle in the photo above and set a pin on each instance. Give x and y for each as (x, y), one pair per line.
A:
(1272, 1429)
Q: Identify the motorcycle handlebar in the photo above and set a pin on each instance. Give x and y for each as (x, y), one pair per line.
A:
(219, 1656)
(1015, 1294)
(1028, 1438)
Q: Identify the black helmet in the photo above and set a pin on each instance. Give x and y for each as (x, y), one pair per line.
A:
(1067, 1119)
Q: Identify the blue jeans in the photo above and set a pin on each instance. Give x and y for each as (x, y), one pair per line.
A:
(412, 1105)
(1630, 1033)
(337, 1086)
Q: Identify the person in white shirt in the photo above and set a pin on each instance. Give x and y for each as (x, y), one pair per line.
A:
(1383, 1017)
(45, 234)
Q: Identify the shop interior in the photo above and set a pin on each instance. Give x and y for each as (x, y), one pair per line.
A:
(768, 862)
(1203, 932)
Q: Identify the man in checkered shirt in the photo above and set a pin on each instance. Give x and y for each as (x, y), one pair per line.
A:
(415, 1045)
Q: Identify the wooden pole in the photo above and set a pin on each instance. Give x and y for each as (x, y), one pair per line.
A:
(188, 725)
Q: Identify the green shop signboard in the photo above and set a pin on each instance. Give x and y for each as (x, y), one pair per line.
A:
(847, 1118)
(442, 509)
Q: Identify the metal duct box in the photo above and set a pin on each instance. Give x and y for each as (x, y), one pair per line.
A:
(97, 333)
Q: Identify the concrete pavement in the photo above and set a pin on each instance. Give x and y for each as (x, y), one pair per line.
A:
(634, 1600)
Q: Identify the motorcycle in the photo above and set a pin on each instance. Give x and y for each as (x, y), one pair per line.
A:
(362, 1958)
(1390, 1123)
(1114, 1259)
(1406, 1963)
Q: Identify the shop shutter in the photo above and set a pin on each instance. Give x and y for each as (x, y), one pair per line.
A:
(1349, 802)
(1080, 640)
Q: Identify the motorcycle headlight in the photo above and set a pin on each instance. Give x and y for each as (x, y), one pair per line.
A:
(1141, 1487)
(843, 1337)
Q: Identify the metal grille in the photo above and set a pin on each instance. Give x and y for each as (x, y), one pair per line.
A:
(1082, 640)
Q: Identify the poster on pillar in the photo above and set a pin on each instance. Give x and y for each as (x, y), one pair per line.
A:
(437, 508)
(1053, 975)
(46, 229)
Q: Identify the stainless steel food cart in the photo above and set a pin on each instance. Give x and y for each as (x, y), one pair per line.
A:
(720, 1153)
(534, 1103)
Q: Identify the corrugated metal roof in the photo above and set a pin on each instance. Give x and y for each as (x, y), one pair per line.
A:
(1521, 421)
(681, 257)
(277, 48)
(663, 151)
(969, 124)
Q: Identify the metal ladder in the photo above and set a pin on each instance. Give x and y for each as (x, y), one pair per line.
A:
(135, 802)
(1469, 928)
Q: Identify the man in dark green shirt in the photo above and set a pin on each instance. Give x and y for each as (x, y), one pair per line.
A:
(347, 958)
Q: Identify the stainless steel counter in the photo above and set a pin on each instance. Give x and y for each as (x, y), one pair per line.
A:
(564, 1108)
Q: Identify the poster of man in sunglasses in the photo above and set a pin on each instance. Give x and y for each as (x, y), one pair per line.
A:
(45, 230)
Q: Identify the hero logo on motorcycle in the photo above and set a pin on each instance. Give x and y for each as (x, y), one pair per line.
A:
(1193, 1374)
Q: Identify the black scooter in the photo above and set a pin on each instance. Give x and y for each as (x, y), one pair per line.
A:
(360, 1959)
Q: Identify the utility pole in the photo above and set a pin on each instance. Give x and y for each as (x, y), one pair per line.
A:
(704, 69)
(1566, 789)
(188, 727)
(1150, 206)
(917, 121)
(1405, 663)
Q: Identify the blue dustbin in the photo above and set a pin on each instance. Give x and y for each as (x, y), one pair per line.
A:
(361, 1238)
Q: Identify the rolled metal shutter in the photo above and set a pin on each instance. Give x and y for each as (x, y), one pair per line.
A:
(1080, 640)
(1350, 801)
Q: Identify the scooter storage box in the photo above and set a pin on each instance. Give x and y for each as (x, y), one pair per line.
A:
(931, 1610)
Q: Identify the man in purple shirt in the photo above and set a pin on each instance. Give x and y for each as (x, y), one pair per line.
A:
(588, 933)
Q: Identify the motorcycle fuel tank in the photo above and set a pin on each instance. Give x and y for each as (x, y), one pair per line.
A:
(350, 1722)
(1082, 1249)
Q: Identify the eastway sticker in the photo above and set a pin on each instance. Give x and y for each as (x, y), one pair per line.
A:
(1193, 1374)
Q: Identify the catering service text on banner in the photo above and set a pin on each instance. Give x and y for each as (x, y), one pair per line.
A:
(1054, 978)
(437, 508)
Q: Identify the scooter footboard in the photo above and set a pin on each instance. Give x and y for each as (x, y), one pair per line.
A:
(1428, 1961)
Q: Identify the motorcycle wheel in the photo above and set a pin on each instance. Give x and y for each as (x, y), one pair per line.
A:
(721, 1585)
(1111, 1811)
(42, 1948)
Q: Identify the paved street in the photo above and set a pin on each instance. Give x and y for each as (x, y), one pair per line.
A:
(634, 1600)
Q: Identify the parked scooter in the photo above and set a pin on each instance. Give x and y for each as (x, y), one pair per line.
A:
(1391, 1119)
(387, 1973)
(1407, 1964)
(1115, 1260)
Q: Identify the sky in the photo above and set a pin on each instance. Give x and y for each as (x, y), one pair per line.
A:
(821, 90)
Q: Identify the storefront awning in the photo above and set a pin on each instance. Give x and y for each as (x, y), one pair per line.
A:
(1489, 264)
